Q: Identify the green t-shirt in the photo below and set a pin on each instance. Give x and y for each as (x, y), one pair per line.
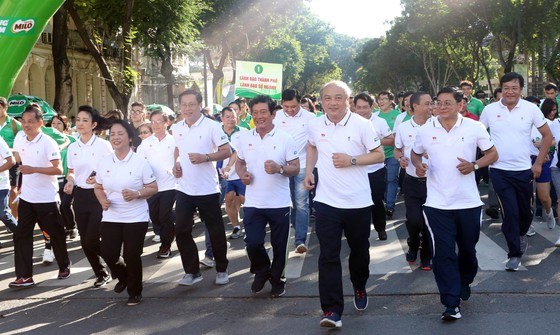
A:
(245, 122)
(319, 113)
(390, 117)
(59, 138)
(475, 106)
(7, 132)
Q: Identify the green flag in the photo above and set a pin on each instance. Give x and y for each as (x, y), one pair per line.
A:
(21, 24)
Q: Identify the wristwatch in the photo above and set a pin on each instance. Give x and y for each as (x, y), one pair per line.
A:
(281, 169)
(353, 161)
(475, 166)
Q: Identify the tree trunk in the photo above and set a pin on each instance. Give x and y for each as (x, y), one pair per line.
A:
(217, 70)
(167, 71)
(121, 99)
(63, 98)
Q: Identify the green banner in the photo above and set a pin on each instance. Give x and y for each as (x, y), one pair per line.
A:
(21, 24)
(254, 78)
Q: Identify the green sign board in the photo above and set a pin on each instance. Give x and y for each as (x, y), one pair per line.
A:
(254, 78)
(21, 24)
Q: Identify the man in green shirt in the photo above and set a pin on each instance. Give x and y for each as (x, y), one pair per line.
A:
(386, 112)
(474, 105)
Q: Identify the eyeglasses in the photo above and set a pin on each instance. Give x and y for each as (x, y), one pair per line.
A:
(157, 122)
(144, 132)
(190, 106)
(136, 111)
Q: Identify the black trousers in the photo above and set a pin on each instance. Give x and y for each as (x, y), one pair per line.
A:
(88, 217)
(130, 238)
(161, 214)
(211, 214)
(66, 210)
(414, 198)
(331, 223)
(255, 221)
(47, 215)
(378, 184)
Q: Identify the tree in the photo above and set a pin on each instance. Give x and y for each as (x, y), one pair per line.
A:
(166, 28)
(106, 28)
(63, 98)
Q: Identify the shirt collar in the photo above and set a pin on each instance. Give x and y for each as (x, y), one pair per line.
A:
(298, 114)
(197, 123)
(125, 160)
(459, 122)
(270, 133)
(88, 143)
(36, 139)
(342, 122)
(505, 107)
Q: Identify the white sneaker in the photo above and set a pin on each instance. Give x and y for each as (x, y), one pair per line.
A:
(557, 243)
(48, 256)
(156, 239)
(550, 220)
(190, 279)
(531, 231)
(222, 278)
(208, 262)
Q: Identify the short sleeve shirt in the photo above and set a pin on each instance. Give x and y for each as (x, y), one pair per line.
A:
(84, 159)
(7, 131)
(404, 139)
(204, 137)
(267, 190)
(38, 187)
(511, 133)
(133, 172)
(234, 142)
(343, 187)
(475, 106)
(382, 130)
(160, 156)
(296, 126)
(447, 188)
(390, 117)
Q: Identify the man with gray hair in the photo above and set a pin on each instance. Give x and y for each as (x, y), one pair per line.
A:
(341, 145)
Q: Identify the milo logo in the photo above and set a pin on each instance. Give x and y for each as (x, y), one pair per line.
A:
(21, 25)
(16, 103)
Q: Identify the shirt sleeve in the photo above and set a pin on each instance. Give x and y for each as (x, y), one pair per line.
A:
(538, 117)
(291, 150)
(418, 147)
(5, 151)
(17, 142)
(369, 137)
(240, 145)
(398, 141)
(484, 118)
(70, 155)
(52, 150)
(218, 136)
(310, 134)
(484, 141)
(148, 176)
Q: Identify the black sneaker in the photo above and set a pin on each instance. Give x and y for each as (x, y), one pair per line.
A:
(164, 252)
(451, 314)
(119, 287)
(102, 280)
(411, 257)
(331, 320)
(63, 274)
(360, 299)
(134, 300)
(382, 235)
(278, 290)
(389, 213)
(465, 292)
(258, 283)
(493, 213)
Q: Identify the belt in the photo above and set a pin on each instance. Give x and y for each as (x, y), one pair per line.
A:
(420, 180)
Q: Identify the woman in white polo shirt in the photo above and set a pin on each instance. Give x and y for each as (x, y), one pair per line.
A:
(124, 181)
(82, 158)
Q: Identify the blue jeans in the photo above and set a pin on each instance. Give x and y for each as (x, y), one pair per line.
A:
(5, 215)
(392, 182)
(299, 213)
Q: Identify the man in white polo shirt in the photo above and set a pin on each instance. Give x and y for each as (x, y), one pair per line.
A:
(39, 199)
(266, 158)
(294, 120)
(414, 187)
(200, 142)
(376, 172)
(511, 121)
(452, 213)
(341, 145)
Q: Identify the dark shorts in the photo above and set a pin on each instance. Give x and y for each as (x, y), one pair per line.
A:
(14, 175)
(236, 186)
(545, 176)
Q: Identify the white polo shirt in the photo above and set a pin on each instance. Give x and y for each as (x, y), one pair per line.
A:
(160, 156)
(84, 158)
(343, 187)
(404, 139)
(132, 173)
(234, 142)
(296, 126)
(447, 187)
(511, 132)
(555, 129)
(382, 130)
(37, 187)
(537, 137)
(5, 153)
(267, 190)
(399, 120)
(203, 137)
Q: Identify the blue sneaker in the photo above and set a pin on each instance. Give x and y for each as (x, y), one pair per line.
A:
(331, 320)
(360, 299)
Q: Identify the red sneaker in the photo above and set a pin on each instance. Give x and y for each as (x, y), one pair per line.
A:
(22, 282)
